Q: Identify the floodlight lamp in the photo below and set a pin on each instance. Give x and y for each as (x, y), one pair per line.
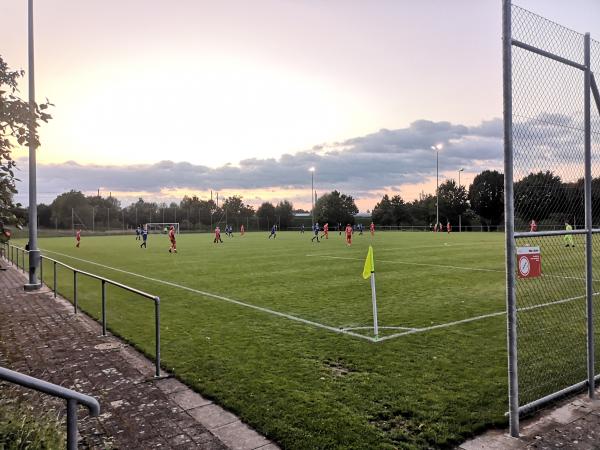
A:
(312, 169)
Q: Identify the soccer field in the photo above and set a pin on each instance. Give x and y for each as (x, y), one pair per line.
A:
(280, 331)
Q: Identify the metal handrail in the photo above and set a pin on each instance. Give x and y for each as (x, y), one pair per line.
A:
(73, 398)
(104, 282)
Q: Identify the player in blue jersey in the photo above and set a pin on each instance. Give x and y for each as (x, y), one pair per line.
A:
(144, 237)
(316, 232)
(273, 232)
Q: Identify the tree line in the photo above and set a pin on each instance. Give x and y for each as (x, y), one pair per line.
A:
(482, 204)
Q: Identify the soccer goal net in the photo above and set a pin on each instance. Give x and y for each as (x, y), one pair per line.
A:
(163, 227)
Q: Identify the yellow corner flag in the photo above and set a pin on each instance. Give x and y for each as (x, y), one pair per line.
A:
(369, 264)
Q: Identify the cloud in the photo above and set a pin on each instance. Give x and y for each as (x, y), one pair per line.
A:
(379, 160)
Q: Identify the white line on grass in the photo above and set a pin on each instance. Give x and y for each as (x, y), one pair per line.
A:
(220, 297)
(346, 331)
(442, 266)
(484, 316)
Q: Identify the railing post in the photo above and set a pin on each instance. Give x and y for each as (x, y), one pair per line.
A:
(54, 279)
(75, 290)
(71, 424)
(103, 308)
(157, 331)
(41, 269)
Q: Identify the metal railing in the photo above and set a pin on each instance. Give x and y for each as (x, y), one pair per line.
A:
(10, 251)
(73, 399)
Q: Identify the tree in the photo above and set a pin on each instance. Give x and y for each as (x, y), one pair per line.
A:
(453, 201)
(422, 210)
(15, 118)
(284, 213)
(335, 207)
(70, 207)
(390, 211)
(266, 214)
(237, 211)
(538, 195)
(486, 195)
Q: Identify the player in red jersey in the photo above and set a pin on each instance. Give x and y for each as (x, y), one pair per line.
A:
(348, 235)
(372, 229)
(448, 227)
(325, 231)
(173, 248)
(532, 226)
(242, 230)
(78, 238)
(218, 235)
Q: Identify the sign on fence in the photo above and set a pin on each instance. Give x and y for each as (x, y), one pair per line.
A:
(529, 262)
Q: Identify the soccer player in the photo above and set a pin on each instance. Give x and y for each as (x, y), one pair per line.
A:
(532, 226)
(448, 227)
(316, 232)
(360, 229)
(349, 235)
(325, 231)
(217, 235)
(144, 237)
(78, 238)
(569, 237)
(273, 232)
(302, 229)
(372, 229)
(138, 232)
(173, 248)
(242, 230)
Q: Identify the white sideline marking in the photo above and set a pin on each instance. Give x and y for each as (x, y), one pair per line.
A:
(220, 297)
(443, 266)
(346, 331)
(484, 316)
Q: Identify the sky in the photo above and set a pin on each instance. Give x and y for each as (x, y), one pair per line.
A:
(162, 99)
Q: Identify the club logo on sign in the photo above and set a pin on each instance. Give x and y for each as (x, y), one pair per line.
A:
(529, 262)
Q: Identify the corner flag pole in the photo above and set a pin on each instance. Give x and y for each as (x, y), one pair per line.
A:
(374, 298)
(369, 271)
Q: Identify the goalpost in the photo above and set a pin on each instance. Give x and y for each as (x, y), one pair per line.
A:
(162, 227)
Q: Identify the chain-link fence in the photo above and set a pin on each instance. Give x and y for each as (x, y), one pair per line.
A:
(552, 169)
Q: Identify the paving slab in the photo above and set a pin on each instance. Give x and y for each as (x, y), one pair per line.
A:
(42, 337)
(573, 423)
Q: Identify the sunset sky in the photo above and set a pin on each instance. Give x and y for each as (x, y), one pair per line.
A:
(160, 99)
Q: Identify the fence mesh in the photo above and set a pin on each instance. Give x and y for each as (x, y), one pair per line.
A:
(548, 171)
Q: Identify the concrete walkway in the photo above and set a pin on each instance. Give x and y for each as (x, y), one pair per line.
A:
(42, 337)
(573, 423)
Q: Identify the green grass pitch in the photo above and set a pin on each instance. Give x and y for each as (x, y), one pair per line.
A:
(312, 385)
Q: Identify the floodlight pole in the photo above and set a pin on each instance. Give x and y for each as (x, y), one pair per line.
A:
(312, 194)
(460, 215)
(437, 188)
(34, 253)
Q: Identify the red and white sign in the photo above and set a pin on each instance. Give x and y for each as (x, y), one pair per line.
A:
(529, 262)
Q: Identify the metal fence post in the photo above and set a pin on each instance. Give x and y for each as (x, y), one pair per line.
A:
(589, 289)
(54, 279)
(41, 269)
(157, 331)
(71, 424)
(103, 308)
(511, 310)
(75, 290)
